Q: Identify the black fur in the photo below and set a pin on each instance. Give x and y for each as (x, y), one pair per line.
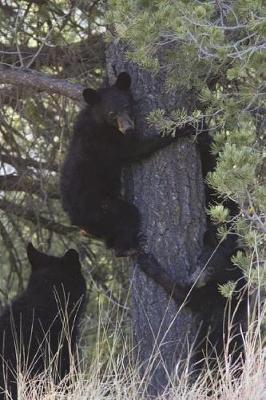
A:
(218, 269)
(223, 320)
(32, 324)
(218, 313)
(219, 318)
(91, 174)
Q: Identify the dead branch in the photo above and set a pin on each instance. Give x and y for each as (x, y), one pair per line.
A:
(23, 163)
(40, 82)
(89, 51)
(31, 216)
(15, 183)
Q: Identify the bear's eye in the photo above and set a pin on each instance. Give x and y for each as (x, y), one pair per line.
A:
(111, 114)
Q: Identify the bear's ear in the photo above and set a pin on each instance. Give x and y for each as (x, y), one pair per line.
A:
(71, 259)
(123, 81)
(35, 257)
(91, 96)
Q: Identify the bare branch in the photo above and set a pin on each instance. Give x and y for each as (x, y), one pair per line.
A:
(13, 256)
(40, 82)
(7, 10)
(31, 216)
(89, 52)
(23, 184)
(23, 163)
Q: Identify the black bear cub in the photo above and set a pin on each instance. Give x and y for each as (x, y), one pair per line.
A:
(104, 141)
(40, 326)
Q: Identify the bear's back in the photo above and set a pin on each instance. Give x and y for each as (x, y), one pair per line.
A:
(42, 322)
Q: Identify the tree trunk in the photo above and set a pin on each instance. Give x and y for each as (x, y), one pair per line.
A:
(168, 190)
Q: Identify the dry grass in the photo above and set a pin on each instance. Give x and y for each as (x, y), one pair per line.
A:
(118, 381)
(113, 375)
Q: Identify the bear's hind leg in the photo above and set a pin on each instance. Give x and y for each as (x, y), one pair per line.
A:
(123, 227)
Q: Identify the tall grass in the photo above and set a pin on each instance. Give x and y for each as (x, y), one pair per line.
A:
(111, 373)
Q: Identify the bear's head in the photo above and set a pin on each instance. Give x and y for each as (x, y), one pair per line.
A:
(50, 274)
(112, 105)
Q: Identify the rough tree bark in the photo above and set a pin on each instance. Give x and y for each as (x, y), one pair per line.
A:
(168, 191)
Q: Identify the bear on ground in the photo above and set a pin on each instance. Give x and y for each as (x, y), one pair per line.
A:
(104, 141)
(40, 327)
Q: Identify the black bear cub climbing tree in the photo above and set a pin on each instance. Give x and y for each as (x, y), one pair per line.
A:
(104, 142)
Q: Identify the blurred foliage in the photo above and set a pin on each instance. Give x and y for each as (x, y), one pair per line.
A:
(217, 49)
